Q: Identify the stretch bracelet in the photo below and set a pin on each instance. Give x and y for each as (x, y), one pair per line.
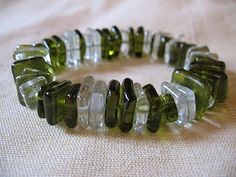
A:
(198, 82)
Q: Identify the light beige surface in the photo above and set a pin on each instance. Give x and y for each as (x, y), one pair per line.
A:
(30, 147)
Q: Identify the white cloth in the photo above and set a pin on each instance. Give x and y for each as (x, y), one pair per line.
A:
(30, 147)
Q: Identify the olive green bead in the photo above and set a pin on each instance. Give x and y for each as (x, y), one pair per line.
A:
(127, 104)
(82, 45)
(131, 41)
(54, 102)
(201, 88)
(155, 112)
(40, 105)
(110, 43)
(117, 40)
(105, 44)
(71, 105)
(211, 65)
(138, 42)
(169, 109)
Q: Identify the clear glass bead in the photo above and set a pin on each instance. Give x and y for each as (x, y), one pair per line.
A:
(180, 101)
(141, 109)
(89, 47)
(29, 91)
(97, 105)
(83, 98)
(124, 49)
(155, 47)
(147, 42)
(69, 60)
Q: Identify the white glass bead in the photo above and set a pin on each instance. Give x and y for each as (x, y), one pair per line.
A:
(147, 42)
(69, 60)
(83, 98)
(29, 91)
(89, 47)
(97, 105)
(168, 46)
(180, 101)
(193, 49)
(124, 49)
(141, 109)
(190, 96)
(28, 51)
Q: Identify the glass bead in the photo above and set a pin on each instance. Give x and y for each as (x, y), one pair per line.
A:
(200, 87)
(82, 45)
(208, 65)
(71, 106)
(124, 49)
(139, 41)
(131, 41)
(54, 102)
(127, 104)
(112, 101)
(117, 40)
(147, 42)
(109, 46)
(61, 51)
(168, 106)
(141, 109)
(83, 98)
(89, 48)
(40, 101)
(155, 113)
(97, 105)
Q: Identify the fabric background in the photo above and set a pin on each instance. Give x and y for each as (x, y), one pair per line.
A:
(30, 147)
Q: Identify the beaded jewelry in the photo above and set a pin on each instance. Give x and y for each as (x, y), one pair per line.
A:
(198, 82)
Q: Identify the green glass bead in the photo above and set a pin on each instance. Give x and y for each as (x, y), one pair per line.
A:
(168, 106)
(218, 81)
(110, 43)
(61, 51)
(40, 105)
(127, 104)
(71, 106)
(155, 113)
(104, 44)
(201, 88)
(211, 65)
(82, 45)
(54, 102)
(131, 41)
(112, 101)
(138, 42)
(117, 40)
(27, 86)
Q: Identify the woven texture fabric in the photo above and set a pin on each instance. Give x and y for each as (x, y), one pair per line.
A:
(30, 147)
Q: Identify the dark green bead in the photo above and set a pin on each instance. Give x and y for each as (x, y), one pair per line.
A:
(112, 101)
(71, 106)
(61, 51)
(82, 45)
(155, 113)
(138, 42)
(54, 102)
(131, 41)
(168, 106)
(105, 44)
(211, 65)
(127, 104)
(110, 43)
(117, 40)
(201, 88)
(218, 81)
(40, 106)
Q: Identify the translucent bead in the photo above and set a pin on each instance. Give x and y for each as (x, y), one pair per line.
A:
(28, 51)
(29, 91)
(117, 39)
(189, 94)
(141, 109)
(147, 42)
(138, 42)
(180, 101)
(97, 105)
(69, 60)
(83, 101)
(193, 49)
(125, 43)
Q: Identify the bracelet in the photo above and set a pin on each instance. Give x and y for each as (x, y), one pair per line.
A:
(198, 82)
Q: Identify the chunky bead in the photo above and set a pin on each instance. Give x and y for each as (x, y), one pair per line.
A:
(218, 82)
(112, 101)
(124, 49)
(158, 43)
(155, 113)
(127, 105)
(138, 42)
(141, 109)
(190, 53)
(82, 45)
(131, 41)
(61, 51)
(147, 42)
(71, 106)
(40, 105)
(117, 40)
(28, 51)
(169, 110)
(212, 65)
(180, 101)
(97, 105)
(30, 66)
(54, 102)
(83, 98)
(110, 45)
(200, 87)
